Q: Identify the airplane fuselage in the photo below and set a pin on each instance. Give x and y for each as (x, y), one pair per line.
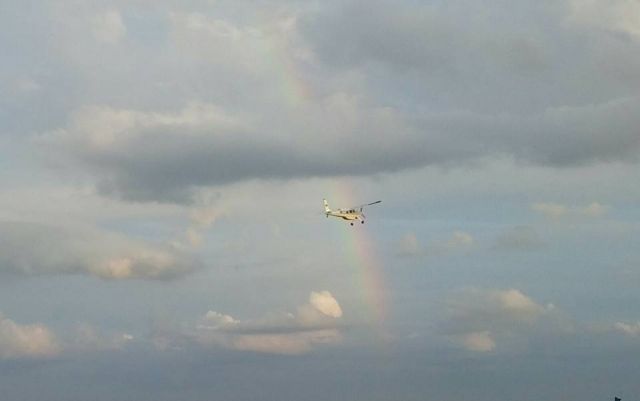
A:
(345, 215)
(350, 215)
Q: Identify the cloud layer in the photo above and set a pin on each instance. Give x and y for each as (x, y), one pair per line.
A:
(129, 128)
(164, 156)
(26, 341)
(484, 320)
(405, 86)
(313, 324)
(558, 211)
(37, 249)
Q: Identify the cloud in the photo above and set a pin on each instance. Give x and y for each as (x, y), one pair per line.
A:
(629, 329)
(557, 137)
(324, 302)
(557, 211)
(165, 156)
(460, 239)
(486, 320)
(335, 91)
(145, 156)
(551, 210)
(613, 15)
(39, 341)
(26, 341)
(108, 27)
(479, 341)
(200, 219)
(594, 209)
(314, 323)
(508, 48)
(217, 320)
(87, 338)
(37, 249)
(515, 302)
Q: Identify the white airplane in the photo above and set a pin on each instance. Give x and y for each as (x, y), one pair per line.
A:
(354, 213)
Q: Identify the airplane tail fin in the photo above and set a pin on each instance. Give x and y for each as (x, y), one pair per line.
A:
(326, 206)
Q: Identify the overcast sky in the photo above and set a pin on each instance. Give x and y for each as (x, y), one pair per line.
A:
(162, 173)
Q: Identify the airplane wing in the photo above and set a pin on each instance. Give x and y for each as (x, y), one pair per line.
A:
(366, 204)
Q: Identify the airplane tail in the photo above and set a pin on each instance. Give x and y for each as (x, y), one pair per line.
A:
(326, 207)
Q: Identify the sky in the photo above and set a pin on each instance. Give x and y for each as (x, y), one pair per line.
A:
(162, 170)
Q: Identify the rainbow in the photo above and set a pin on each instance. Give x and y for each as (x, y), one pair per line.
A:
(363, 257)
(279, 54)
(361, 250)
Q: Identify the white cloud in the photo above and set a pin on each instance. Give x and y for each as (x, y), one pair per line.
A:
(630, 329)
(460, 240)
(39, 341)
(510, 304)
(325, 303)
(215, 320)
(479, 341)
(37, 249)
(314, 323)
(229, 44)
(201, 218)
(551, 210)
(108, 27)
(595, 209)
(558, 211)
(108, 129)
(614, 15)
(485, 320)
(516, 303)
(31, 341)
(197, 22)
(138, 262)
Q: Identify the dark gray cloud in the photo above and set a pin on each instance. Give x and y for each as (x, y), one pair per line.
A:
(402, 86)
(151, 156)
(499, 57)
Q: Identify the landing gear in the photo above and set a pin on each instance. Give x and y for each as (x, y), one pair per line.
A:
(351, 223)
(362, 222)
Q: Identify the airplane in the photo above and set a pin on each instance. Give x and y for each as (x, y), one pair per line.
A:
(352, 214)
